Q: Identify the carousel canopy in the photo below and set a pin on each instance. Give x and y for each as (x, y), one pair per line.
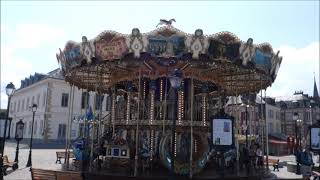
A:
(236, 66)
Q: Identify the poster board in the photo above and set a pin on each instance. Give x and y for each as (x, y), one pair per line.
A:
(222, 132)
(315, 138)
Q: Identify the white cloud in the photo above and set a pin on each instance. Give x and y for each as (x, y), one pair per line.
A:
(36, 35)
(4, 28)
(296, 70)
(4, 99)
(14, 65)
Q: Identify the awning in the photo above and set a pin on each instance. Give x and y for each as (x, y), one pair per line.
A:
(272, 141)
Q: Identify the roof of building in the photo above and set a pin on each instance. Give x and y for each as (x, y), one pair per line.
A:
(238, 100)
(39, 77)
(297, 96)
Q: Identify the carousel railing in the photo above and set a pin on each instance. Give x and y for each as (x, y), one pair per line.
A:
(155, 122)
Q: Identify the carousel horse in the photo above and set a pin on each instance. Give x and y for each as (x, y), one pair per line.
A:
(165, 22)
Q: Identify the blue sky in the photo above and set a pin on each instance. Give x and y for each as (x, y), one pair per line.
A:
(32, 32)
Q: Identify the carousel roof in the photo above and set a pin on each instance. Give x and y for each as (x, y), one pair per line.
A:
(222, 58)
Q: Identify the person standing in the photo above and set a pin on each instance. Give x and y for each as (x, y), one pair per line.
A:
(306, 162)
(252, 156)
(246, 159)
(259, 154)
(298, 153)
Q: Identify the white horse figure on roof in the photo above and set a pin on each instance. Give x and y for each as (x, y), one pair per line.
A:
(166, 22)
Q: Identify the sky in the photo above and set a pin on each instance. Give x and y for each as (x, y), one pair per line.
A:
(33, 31)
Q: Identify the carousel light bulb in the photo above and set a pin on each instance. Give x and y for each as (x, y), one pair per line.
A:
(152, 108)
(144, 89)
(182, 100)
(204, 111)
(113, 109)
(179, 108)
(151, 143)
(175, 145)
(161, 83)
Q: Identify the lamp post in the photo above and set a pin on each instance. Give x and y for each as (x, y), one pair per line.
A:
(295, 119)
(18, 137)
(175, 81)
(299, 124)
(9, 91)
(33, 109)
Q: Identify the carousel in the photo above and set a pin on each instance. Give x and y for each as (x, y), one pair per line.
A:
(165, 87)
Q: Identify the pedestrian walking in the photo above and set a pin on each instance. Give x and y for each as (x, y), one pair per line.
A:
(259, 159)
(306, 162)
(298, 159)
(252, 156)
(246, 159)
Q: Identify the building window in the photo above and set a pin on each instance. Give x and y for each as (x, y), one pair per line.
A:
(108, 103)
(62, 131)
(41, 126)
(99, 99)
(18, 106)
(277, 115)
(15, 106)
(27, 105)
(38, 99)
(85, 100)
(270, 128)
(270, 114)
(32, 102)
(44, 99)
(30, 128)
(22, 107)
(64, 100)
(35, 128)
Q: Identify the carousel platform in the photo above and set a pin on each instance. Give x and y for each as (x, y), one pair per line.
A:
(160, 172)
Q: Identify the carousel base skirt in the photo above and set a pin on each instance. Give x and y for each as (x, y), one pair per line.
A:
(163, 173)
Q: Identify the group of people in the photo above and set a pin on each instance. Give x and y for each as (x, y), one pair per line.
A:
(305, 162)
(251, 157)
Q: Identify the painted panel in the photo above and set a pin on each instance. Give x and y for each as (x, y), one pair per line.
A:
(166, 46)
(262, 60)
(218, 49)
(72, 54)
(111, 48)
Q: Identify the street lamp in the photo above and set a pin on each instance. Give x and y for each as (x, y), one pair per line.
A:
(299, 124)
(295, 119)
(33, 109)
(18, 137)
(9, 91)
(175, 81)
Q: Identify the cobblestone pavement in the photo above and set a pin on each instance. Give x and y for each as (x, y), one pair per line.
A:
(45, 159)
(41, 158)
(283, 173)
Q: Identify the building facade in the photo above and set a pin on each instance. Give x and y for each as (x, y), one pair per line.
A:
(51, 94)
(306, 107)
